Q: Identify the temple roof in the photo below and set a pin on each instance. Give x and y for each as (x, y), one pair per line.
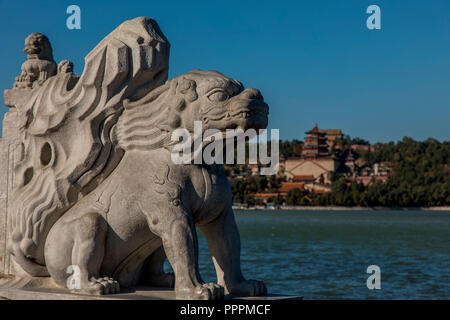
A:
(287, 186)
(314, 130)
(303, 178)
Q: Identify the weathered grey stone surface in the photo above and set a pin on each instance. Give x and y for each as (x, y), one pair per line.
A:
(8, 143)
(90, 180)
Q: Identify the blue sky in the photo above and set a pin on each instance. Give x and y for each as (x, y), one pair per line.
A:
(313, 60)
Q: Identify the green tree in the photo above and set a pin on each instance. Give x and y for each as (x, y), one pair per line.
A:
(294, 197)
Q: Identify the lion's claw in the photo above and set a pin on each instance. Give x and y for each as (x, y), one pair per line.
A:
(105, 285)
(99, 286)
(206, 291)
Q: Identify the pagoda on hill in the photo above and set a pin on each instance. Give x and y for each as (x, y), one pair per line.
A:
(315, 145)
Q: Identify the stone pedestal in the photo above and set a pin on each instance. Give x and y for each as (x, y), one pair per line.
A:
(16, 288)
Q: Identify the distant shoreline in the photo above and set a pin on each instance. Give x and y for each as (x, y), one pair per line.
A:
(341, 208)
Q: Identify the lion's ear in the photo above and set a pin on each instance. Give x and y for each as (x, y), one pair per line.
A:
(188, 88)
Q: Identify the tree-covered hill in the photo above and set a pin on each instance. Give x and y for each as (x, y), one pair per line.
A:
(421, 177)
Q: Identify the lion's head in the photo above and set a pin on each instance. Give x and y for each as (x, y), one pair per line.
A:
(38, 46)
(219, 102)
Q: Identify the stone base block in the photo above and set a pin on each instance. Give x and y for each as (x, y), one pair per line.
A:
(15, 288)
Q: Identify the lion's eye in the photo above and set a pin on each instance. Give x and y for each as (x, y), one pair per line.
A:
(218, 96)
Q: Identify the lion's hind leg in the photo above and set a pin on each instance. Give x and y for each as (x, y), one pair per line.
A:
(75, 250)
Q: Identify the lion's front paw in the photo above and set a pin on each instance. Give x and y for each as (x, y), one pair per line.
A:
(99, 286)
(106, 285)
(206, 291)
(249, 288)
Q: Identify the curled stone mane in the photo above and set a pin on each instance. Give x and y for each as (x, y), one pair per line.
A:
(147, 123)
(139, 127)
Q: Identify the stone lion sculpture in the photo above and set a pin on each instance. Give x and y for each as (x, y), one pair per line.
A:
(40, 64)
(96, 187)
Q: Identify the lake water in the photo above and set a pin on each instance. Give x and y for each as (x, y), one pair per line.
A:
(325, 255)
